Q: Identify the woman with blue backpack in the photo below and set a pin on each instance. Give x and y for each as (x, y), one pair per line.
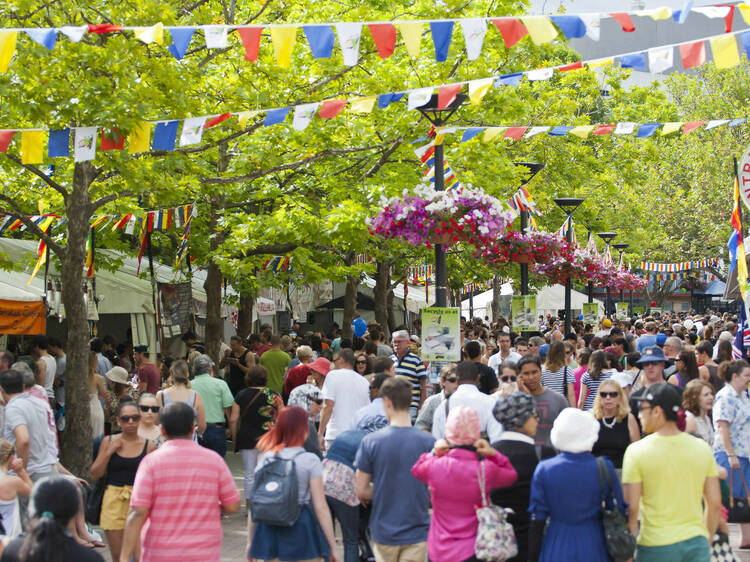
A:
(290, 519)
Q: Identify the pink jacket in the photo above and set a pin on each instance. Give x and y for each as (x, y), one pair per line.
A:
(454, 486)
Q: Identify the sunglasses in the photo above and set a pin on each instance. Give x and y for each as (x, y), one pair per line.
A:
(451, 379)
(128, 419)
(604, 394)
(361, 362)
(154, 409)
(508, 378)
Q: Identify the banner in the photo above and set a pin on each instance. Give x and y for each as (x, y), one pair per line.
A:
(22, 317)
(621, 310)
(441, 334)
(591, 313)
(177, 307)
(523, 311)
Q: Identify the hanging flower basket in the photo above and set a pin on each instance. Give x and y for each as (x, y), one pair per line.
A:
(533, 246)
(583, 267)
(441, 217)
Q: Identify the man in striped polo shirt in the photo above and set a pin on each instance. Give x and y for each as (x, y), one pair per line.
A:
(411, 368)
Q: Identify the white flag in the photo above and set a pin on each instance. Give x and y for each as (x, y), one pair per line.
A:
(192, 131)
(534, 131)
(713, 12)
(474, 32)
(349, 34)
(303, 114)
(418, 98)
(539, 74)
(625, 128)
(130, 227)
(716, 123)
(593, 25)
(216, 36)
(85, 144)
(74, 33)
(660, 60)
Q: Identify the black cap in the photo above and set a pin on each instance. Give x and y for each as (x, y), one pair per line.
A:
(665, 395)
(141, 349)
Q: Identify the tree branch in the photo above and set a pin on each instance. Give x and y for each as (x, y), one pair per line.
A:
(109, 198)
(37, 172)
(383, 158)
(17, 212)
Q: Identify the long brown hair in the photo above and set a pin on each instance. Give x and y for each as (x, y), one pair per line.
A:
(555, 356)
(691, 395)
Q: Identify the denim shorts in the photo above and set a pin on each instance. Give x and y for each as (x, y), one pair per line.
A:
(695, 549)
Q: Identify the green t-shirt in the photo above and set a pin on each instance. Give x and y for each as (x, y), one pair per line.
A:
(275, 361)
(215, 394)
(672, 470)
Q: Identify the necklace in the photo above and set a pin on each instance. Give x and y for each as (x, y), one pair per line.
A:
(611, 424)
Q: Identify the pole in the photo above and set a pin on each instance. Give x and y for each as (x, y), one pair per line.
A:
(524, 266)
(441, 272)
(471, 303)
(568, 281)
(630, 305)
(158, 336)
(590, 291)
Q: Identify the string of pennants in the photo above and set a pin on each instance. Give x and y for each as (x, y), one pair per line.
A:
(477, 286)
(322, 36)
(680, 266)
(164, 136)
(522, 201)
(277, 263)
(704, 277)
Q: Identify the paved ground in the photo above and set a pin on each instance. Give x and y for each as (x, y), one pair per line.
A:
(235, 526)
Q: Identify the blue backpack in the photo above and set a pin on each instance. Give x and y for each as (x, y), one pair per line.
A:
(274, 499)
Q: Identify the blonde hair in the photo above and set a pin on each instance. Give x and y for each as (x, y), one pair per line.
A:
(93, 364)
(6, 451)
(623, 409)
(304, 352)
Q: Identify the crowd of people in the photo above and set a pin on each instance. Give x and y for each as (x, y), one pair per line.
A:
(651, 413)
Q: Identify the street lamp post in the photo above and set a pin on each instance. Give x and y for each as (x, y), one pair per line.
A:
(590, 284)
(621, 247)
(438, 116)
(568, 205)
(607, 237)
(534, 169)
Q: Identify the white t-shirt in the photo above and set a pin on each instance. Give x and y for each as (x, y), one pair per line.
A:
(349, 391)
(49, 375)
(496, 360)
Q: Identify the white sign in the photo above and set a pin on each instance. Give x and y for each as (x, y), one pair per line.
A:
(744, 177)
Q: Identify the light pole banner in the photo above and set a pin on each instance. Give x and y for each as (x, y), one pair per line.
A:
(621, 310)
(441, 334)
(523, 310)
(591, 313)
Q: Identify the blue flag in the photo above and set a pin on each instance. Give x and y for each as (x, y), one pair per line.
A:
(742, 336)
(180, 40)
(59, 143)
(320, 38)
(165, 134)
(441, 38)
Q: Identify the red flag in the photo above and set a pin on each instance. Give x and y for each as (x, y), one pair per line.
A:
(624, 20)
(511, 30)
(112, 140)
(447, 94)
(692, 126)
(251, 40)
(123, 221)
(693, 54)
(729, 18)
(604, 130)
(5, 138)
(515, 132)
(384, 36)
(331, 108)
(574, 66)
(103, 28)
(216, 120)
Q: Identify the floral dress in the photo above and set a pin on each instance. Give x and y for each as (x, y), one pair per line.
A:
(258, 410)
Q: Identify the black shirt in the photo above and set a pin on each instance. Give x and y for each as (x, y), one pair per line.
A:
(487, 379)
(258, 410)
(236, 378)
(73, 552)
(612, 441)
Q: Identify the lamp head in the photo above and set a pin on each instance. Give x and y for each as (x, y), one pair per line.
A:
(568, 204)
(621, 246)
(606, 236)
(438, 116)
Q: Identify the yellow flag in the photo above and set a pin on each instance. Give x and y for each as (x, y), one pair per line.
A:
(600, 62)
(31, 147)
(582, 131)
(245, 116)
(412, 34)
(745, 11)
(492, 132)
(153, 34)
(439, 138)
(41, 205)
(671, 127)
(139, 139)
(283, 39)
(724, 49)
(540, 29)
(362, 105)
(7, 48)
(656, 14)
(478, 89)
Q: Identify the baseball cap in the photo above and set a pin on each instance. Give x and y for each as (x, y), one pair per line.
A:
(606, 323)
(664, 395)
(651, 355)
(661, 339)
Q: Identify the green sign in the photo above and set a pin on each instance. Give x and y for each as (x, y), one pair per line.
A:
(637, 310)
(523, 310)
(441, 334)
(621, 310)
(591, 313)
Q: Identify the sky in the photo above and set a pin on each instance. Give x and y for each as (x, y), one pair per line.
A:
(552, 6)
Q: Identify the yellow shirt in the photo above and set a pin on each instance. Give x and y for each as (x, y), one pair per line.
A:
(672, 470)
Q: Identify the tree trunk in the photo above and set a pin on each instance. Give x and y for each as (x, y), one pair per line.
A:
(350, 306)
(495, 298)
(380, 293)
(245, 315)
(77, 445)
(391, 326)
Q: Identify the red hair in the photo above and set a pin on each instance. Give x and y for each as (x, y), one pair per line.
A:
(290, 430)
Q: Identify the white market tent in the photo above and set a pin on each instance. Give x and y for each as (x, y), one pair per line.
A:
(483, 301)
(416, 299)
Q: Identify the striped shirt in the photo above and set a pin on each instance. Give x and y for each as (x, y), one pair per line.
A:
(593, 386)
(557, 380)
(182, 484)
(412, 369)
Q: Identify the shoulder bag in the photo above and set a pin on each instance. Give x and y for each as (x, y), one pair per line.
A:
(739, 508)
(94, 497)
(495, 537)
(620, 543)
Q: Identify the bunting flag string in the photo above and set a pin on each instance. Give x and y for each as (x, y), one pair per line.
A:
(680, 266)
(522, 201)
(478, 286)
(321, 37)
(426, 154)
(162, 135)
(277, 263)
(702, 277)
(562, 232)
(421, 274)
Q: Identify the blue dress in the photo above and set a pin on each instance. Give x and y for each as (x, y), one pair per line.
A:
(565, 489)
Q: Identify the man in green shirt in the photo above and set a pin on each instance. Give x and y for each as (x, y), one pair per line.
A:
(217, 402)
(275, 361)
